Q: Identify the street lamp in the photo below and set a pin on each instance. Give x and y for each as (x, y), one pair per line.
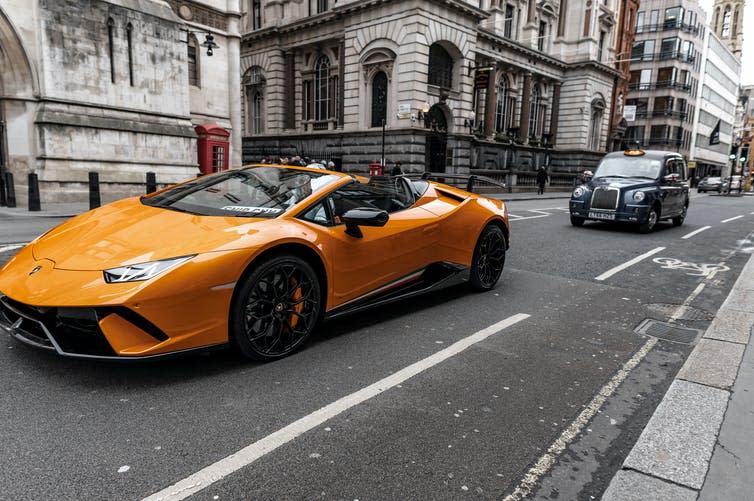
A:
(209, 40)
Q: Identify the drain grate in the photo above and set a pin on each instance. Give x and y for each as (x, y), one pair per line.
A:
(668, 332)
(689, 313)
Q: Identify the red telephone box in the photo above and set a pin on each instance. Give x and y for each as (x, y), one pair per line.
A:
(213, 146)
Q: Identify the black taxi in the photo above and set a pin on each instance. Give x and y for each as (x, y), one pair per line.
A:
(634, 186)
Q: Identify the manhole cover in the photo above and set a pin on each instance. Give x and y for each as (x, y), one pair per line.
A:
(688, 313)
(668, 332)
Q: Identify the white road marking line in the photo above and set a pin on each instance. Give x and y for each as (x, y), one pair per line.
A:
(544, 463)
(682, 309)
(520, 218)
(731, 219)
(10, 247)
(217, 471)
(625, 265)
(689, 235)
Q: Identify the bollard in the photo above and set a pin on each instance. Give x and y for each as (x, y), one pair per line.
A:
(34, 203)
(94, 199)
(151, 182)
(10, 190)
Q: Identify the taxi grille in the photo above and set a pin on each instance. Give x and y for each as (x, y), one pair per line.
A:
(605, 198)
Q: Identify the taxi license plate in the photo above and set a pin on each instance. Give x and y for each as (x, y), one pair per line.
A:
(602, 215)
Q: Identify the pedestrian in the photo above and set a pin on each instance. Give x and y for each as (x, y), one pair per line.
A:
(397, 171)
(541, 180)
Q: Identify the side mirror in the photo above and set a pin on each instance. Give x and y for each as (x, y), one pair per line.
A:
(363, 216)
(671, 178)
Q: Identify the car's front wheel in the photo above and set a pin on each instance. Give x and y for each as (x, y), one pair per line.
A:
(577, 221)
(489, 259)
(276, 309)
(678, 220)
(652, 218)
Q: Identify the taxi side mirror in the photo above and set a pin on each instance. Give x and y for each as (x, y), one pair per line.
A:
(671, 178)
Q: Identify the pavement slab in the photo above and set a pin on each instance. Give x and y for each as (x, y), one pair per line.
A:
(732, 326)
(713, 363)
(633, 486)
(677, 443)
(741, 300)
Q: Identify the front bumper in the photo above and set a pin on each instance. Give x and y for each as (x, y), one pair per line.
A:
(627, 214)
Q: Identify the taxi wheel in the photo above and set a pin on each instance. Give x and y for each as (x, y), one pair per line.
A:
(652, 218)
(489, 259)
(577, 221)
(276, 309)
(678, 220)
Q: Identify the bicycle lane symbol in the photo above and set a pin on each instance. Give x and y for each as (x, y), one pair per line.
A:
(708, 270)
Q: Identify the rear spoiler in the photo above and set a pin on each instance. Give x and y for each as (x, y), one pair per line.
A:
(463, 181)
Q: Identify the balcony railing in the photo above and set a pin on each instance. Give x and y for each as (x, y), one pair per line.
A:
(662, 84)
(664, 56)
(670, 113)
(667, 26)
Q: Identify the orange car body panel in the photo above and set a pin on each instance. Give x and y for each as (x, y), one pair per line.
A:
(191, 302)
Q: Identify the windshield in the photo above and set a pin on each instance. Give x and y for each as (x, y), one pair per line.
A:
(713, 180)
(640, 167)
(254, 192)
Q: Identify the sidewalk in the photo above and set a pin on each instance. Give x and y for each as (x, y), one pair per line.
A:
(699, 443)
(70, 209)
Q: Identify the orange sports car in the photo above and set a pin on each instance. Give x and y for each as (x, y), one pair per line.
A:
(253, 257)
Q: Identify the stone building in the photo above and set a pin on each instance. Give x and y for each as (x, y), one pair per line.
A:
(625, 35)
(449, 86)
(728, 23)
(115, 87)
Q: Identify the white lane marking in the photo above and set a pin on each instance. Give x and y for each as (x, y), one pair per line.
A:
(731, 219)
(695, 232)
(216, 471)
(682, 309)
(10, 247)
(544, 463)
(611, 272)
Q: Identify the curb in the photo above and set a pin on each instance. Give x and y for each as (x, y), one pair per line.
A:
(672, 456)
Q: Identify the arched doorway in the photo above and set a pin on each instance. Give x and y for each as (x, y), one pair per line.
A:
(437, 139)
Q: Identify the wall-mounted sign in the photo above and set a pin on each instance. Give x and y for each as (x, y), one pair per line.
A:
(404, 110)
(481, 79)
(629, 112)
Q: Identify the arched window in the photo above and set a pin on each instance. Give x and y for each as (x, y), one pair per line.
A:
(502, 111)
(254, 87)
(735, 23)
(726, 23)
(321, 88)
(716, 23)
(379, 99)
(440, 67)
(595, 125)
(535, 125)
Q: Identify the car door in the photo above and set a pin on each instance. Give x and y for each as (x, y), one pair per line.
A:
(670, 187)
(382, 256)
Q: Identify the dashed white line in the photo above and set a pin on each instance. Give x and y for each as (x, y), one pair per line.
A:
(731, 219)
(220, 469)
(6, 248)
(695, 232)
(544, 463)
(613, 271)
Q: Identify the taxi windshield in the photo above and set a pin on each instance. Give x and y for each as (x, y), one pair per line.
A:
(625, 167)
(253, 192)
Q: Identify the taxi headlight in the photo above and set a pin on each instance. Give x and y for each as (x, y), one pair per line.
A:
(142, 271)
(638, 196)
(578, 192)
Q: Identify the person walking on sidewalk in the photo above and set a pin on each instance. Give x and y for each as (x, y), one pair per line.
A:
(541, 180)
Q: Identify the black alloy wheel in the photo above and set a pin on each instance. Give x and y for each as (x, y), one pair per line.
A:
(652, 218)
(678, 220)
(489, 259)
(276, 308)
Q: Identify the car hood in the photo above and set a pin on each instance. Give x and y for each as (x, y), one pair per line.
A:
(620, 183)
(128, 232)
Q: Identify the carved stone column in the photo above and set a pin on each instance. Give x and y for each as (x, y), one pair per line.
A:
(491, 101)
(289, 110)
(532, 11)
(555, 112)
(525, 107)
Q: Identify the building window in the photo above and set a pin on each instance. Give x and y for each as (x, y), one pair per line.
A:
(218, 158)
(541, 35)
(726, 23)
(504, 108)
(635, 134)
(440, 67)
(253, 83)
(735, 23)
(654, 17)
(129, 40)
(321, 89)
(256, 14)
(193, 62)
(595, 128)
(379, 99)
(643, 50)
(537, 111)
(640, 22)
(642, 106)
(257, 120)
(673, 17)
(669, 47)
(601, 49)
(321, 6)
(508, 21)
(111, 47)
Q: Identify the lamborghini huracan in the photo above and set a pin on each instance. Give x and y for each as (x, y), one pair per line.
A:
(254, 257)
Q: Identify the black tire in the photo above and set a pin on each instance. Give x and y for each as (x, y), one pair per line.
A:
(276, 308)
(489, 259)
(678, 220)
(577, 221)
(652, 218)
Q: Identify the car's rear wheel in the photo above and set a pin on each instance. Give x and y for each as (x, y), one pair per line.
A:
(577, 221)
(678, 220)
(489, 259)
(652, 218)
(276, 308)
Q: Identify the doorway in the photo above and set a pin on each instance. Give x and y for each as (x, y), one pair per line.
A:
(437, 140)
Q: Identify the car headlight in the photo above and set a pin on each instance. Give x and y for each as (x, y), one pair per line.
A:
(142, 271)
(638, 196)
(578, 192)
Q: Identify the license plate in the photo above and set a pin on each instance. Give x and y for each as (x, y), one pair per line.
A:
(602, 215)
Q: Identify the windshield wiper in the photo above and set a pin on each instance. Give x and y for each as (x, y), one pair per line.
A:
(612, 175)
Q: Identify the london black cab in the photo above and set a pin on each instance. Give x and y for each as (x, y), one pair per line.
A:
(634, 186)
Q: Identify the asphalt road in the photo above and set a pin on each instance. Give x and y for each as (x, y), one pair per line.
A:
(524, 399)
